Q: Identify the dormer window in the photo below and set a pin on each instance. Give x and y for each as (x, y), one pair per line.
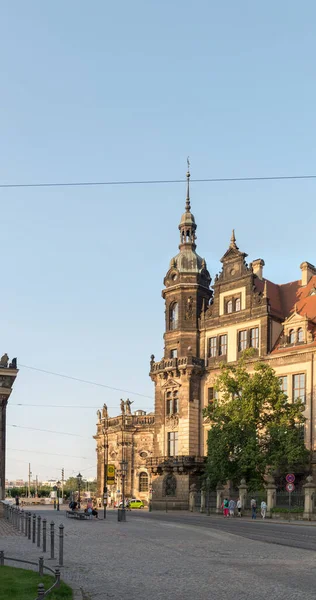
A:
(291, 336)
(300, 335)
(229, 306)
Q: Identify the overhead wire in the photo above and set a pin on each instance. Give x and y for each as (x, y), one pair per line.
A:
(103, 385)
(155, 181)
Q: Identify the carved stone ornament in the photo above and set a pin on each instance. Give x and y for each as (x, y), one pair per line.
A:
(189, 309)
(172, 421)
(169, 485)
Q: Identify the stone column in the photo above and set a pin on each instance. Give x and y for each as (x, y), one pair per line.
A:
(3, 410)
(243, 493)
(219, 497)
(192, 497)
(271, 494)
(309, 491)
(203, 499)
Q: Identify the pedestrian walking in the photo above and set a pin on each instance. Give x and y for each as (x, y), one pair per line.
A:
(263, 509)
(253, 505)
(225, 507)
(231, 507)
(239, 507)
(17, 500)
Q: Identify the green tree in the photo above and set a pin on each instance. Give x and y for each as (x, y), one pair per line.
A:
(254, 429)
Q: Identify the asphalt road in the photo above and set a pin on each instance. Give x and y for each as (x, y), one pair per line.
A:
(292, 534)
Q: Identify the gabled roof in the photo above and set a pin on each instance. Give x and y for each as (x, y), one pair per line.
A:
(286, 298)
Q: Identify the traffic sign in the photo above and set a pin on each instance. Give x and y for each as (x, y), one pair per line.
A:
(290, 487)
(290, 478)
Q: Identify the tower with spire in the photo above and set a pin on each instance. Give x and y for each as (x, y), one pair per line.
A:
(177, 444)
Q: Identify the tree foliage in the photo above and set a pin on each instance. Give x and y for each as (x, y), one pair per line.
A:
(254, 429)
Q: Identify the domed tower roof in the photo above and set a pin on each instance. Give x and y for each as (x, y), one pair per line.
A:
(187, 260)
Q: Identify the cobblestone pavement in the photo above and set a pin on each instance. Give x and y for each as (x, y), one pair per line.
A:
(6, 529)
(151, 559)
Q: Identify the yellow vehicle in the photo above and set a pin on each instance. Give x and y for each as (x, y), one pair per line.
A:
(136, 503)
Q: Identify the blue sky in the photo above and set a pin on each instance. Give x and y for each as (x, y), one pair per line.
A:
(125, 91)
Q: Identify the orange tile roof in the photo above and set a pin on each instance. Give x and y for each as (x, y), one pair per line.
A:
(286, 298)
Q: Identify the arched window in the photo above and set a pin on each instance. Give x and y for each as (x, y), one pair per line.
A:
(229, 306)
(300, 335)
(292, 336)
(173, 315)
(237, 305)
(143, 482)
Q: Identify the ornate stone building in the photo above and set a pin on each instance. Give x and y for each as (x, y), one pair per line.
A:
(207, 326)
(8, 373)
(126, 437)
(204, 327)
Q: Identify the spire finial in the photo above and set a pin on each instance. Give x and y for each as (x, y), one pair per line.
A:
(265, 289)
(233, 240)
(187, 202)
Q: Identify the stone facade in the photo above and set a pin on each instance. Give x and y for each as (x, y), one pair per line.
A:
(8, 373)
(126, 437)
(204, 327)
(207, 326)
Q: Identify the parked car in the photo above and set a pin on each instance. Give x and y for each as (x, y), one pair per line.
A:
(133, 504)
(136, 503)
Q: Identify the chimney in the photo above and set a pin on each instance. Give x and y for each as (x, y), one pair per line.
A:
(257, 267)
(308, 271)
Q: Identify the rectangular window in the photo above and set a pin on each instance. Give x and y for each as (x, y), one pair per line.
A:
(169, 407)
(212, 395)
(212, 346)
(175, 402)
(299, 387)
(301, 431)
(242, 340)
(283, 383)
(174, 353)
(172, 443)
(222, 349)
(254, 337)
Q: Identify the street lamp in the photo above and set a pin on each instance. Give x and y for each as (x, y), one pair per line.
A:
(58, 488)
(79, 480)
(122, 512)
(208, 483)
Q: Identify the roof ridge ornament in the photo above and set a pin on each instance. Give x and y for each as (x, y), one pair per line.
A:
(187, 202)
(233, 241)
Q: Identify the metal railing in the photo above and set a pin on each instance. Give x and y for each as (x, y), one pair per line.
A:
(34, 528)
(41, 592)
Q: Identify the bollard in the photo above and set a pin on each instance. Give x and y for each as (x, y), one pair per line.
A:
(29, 526)
(22, 521)
(38, 531)
(41, 566)
(57, 575)
(61, 545)
(40, 591)
(1, 558)
(52, 540)
(34, 529)
(44, 535)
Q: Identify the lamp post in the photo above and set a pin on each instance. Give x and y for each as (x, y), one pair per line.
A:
(58, 488)
(79, 480)
(208, 483)
(122, 512)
